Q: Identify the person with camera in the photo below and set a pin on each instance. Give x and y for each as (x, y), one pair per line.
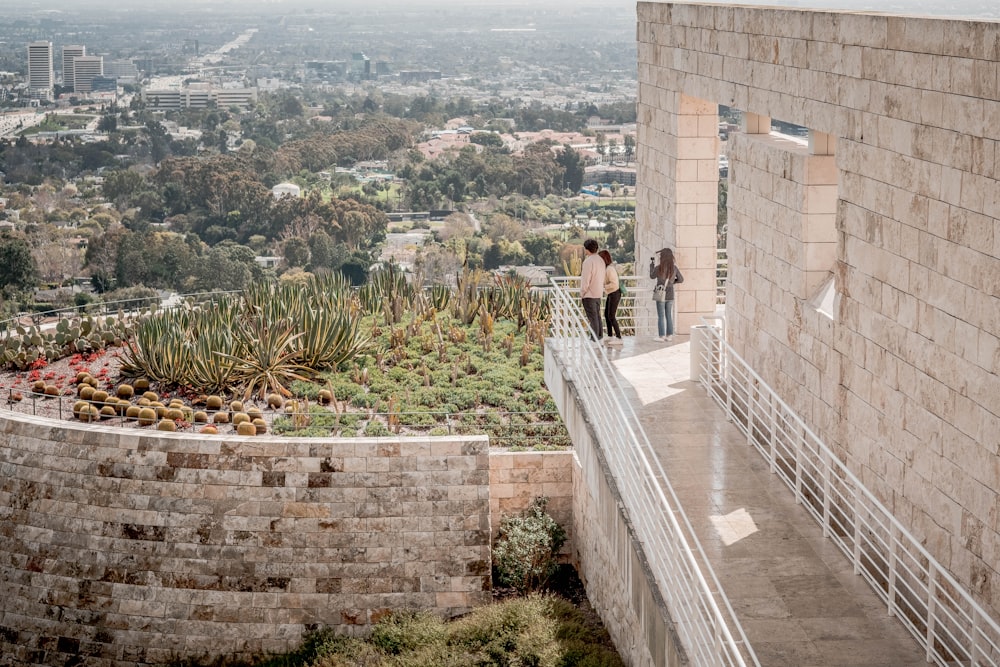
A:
(667, 275)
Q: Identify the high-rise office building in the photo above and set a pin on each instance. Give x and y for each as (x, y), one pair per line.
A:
(121, 69)
(69, 52)
(40, 74)
(85, 70)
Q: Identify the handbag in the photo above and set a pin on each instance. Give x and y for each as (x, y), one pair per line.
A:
(660, 293)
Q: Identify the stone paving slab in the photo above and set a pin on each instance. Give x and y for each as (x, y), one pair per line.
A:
(794, 592)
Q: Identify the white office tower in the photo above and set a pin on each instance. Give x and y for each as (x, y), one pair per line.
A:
(85, 70)
(40, 74)
(71, 51)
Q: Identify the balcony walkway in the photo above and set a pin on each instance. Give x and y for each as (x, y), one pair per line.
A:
(793, 591)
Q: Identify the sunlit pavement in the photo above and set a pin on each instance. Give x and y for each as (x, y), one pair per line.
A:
(793, 591)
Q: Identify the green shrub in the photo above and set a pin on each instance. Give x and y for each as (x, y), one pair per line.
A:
(305, 389)
(365, 400)
(408, 631)
(525, 554)
(376, 429)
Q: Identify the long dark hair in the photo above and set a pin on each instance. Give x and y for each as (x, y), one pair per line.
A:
(606, 256)
(665, 269)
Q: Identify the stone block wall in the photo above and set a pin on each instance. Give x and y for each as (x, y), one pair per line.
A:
(902, 380)
(517, 478)
(121, 546)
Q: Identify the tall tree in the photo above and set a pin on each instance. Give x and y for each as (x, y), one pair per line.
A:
(17, 266)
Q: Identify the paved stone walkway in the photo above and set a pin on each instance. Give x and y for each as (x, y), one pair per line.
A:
(795, 594)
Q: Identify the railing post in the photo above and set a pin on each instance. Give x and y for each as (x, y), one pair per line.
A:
(891, 574)
(798, 472)
(827, 467)
(931, 611)
(773, 444)
(857, 531)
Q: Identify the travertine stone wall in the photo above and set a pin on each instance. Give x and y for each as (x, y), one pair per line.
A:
(680, 141)
(127, 547)
(902, 380)
(610, 561)
(517, 478)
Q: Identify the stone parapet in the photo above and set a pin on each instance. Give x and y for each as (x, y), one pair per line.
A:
(129, 547)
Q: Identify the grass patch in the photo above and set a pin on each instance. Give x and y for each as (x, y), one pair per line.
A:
(537, 630)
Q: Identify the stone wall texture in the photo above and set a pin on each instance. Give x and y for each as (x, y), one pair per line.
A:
(517, 478)
(900, 208)
(124, 547)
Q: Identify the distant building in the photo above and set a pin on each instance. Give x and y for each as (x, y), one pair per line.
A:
(235, 97)
(69, 52)
(361, 66)
(85, 70)
(198, 96)
(41, 77)
(419, 76)
(104, 84)
(121, 69)
(603, 174)
(282, 189)
(325, 69)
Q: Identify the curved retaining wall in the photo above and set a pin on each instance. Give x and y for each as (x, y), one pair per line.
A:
(121, 547)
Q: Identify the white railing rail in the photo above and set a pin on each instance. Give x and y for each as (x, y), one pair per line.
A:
(949, 624)
(704, 619)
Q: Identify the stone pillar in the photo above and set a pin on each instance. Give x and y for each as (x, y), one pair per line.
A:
(697, 210)
(756, 124)
(819, 213)
(677, 195)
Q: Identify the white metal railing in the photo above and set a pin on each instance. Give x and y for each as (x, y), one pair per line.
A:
(721, 275)
(636, 314)
(704, 619)
(927, 600)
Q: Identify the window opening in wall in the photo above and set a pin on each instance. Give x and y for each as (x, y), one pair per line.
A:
(789, 129)
(730, 121)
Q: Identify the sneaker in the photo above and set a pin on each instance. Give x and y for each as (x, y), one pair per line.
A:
(659, 339)
(615, 342)
(668, 338)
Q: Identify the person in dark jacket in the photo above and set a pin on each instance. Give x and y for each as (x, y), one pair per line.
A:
(667, 275)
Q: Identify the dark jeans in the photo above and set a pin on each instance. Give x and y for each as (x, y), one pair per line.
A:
(592, 307)
(611, 313)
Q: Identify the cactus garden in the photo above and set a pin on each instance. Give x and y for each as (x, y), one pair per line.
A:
(314, 359)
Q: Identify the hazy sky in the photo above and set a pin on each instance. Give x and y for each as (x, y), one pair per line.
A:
(973, 8)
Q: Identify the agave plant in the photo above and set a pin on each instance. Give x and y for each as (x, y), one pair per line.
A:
(213, 360)
(270, 360)
(328, 338)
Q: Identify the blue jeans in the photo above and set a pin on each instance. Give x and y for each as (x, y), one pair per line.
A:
(664, 318)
